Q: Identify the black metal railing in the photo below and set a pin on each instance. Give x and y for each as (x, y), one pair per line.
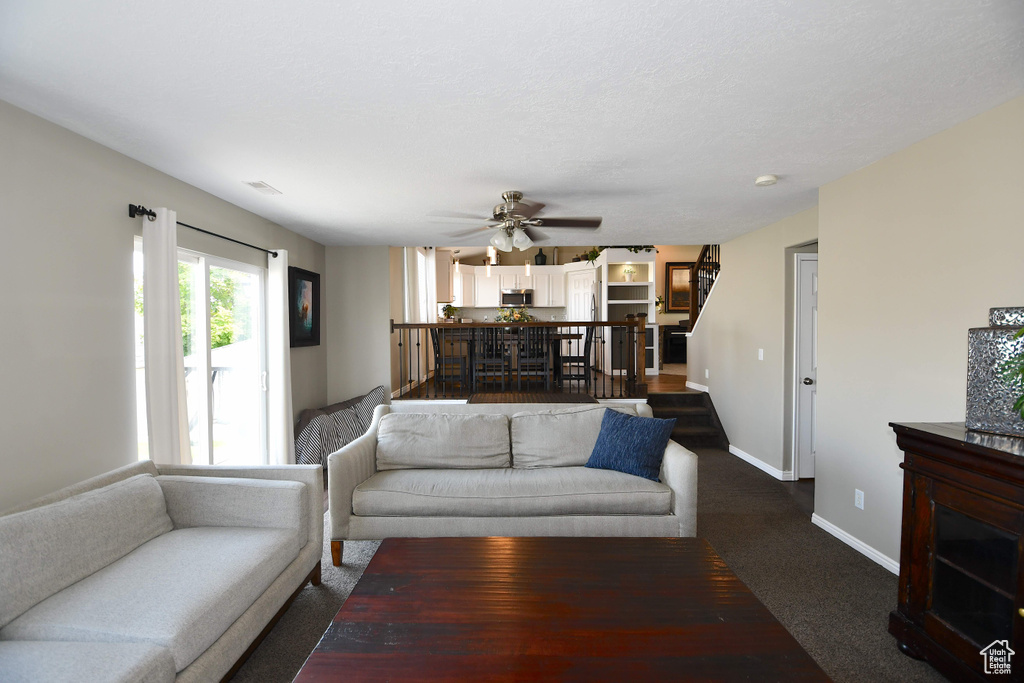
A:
(702, 278)
(457, 360)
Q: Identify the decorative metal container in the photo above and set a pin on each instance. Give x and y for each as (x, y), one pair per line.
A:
(989, 398)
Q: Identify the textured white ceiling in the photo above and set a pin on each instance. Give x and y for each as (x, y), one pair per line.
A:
(369, 116)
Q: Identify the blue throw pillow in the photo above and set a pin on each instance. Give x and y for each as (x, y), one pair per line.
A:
(631, 444)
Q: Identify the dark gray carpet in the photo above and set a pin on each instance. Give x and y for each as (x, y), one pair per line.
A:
(834, 600)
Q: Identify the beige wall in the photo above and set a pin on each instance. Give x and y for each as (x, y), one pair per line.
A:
(358, 321)
(914, 250)
(746, 312)
(671, 254)
(67, 392)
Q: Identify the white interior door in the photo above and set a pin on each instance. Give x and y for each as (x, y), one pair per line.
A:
(806, 362)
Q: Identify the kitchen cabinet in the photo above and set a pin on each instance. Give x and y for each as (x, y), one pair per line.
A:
(514, 277)
(549, 287)
(961, 547)
(487, 290)
(444, 267)
(465, 288)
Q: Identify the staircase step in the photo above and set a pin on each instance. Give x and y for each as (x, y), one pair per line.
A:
(699, 437)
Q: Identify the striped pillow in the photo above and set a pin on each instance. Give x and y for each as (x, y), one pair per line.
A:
(367, 404)
(326, 433)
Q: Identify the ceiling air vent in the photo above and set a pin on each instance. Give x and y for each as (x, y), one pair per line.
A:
(262, 187)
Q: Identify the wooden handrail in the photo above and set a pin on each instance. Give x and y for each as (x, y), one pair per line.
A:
(558, 323)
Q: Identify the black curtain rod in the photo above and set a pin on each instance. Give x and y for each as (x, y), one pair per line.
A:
(139, 210)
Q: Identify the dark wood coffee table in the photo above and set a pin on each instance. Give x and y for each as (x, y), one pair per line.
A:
(622, 609)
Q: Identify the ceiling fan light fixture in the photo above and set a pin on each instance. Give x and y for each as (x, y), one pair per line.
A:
(521, 240)
(501, 241)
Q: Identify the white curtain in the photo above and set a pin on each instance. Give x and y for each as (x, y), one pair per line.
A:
(280, 430)
(167, 414)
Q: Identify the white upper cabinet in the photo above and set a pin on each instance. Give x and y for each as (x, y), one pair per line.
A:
(487, 289)
(465, 287)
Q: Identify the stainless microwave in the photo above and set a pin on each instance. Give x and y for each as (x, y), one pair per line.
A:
(516, 298)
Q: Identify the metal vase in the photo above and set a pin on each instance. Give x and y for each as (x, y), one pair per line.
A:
(990, 398)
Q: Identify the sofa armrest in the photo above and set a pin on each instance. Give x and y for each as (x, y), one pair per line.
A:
(224, 501)
(310, 476)
(679, 471)
(347, 468)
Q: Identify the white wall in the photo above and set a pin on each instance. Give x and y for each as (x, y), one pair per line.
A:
(747, 312)
(358, 320)
(913, 251)
(67, 392)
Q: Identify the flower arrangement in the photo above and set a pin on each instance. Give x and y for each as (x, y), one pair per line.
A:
(513, 315)
(628, 270)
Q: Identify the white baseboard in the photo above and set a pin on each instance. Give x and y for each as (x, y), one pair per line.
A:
(761, 465)
(857, 544)
(697, 387)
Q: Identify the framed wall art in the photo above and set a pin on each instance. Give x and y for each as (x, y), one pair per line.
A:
(677, 286)
(303, 307)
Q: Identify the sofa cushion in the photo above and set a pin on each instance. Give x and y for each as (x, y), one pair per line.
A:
(56, 662)
(631, 444)
(48, 548)
(181, 591)
(233, 501)
(507, 492)
(419, 440)
(558, 438)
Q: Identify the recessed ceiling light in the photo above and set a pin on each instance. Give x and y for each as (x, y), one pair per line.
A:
(261, 187)
(766, 180)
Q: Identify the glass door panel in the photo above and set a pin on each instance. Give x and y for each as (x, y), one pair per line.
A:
(236, 366)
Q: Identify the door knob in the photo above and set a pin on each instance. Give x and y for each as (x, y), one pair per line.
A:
(808, 381)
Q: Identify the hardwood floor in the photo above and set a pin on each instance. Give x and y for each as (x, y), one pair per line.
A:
(662, 384)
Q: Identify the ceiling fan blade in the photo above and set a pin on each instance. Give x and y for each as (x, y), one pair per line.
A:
(456, 216)
(535, 234)
(529, 208)
(589, 222)
(463, 233)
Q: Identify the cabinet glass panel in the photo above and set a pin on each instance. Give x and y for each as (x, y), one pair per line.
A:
(981, 550)
(970, 607)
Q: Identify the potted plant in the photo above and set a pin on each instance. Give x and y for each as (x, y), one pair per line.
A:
(450, 313)
(628, 272)
(659, 302)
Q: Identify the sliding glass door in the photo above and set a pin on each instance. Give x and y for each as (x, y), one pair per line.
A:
(225, 367)
(222, 323)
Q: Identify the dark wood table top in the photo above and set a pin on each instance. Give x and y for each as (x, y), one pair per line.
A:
(621, 609)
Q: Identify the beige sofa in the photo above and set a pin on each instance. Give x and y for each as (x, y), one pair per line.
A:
(454, 469)
(150, 573)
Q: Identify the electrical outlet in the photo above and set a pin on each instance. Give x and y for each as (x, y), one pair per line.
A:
(760, 354)
(705, 373)
(858, 499)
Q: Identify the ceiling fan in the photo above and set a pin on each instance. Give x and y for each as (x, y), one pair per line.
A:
(516, 221)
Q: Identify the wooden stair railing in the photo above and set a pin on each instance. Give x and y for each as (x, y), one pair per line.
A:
(702, 277)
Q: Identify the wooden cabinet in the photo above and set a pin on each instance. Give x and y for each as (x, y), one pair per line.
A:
(960, 584)
(513, 277)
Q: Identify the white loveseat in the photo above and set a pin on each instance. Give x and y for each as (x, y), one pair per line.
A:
(455, 469)
(153, 573)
